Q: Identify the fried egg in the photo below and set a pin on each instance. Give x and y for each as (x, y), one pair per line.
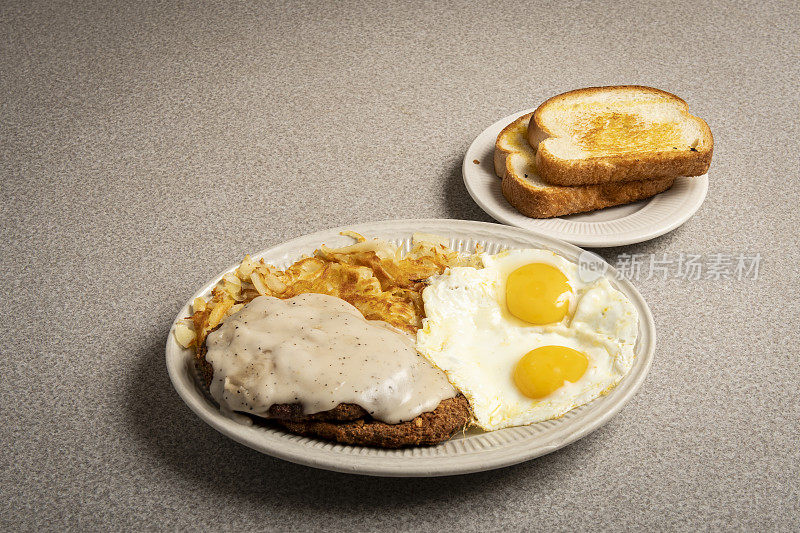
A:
(524, 338)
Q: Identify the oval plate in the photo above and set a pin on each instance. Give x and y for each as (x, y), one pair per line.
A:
(472, 451)
(612, 226)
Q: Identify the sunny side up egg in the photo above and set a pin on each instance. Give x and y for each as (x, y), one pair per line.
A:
(524, 338)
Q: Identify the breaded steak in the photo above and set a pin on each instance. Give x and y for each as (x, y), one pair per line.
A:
(351, 424)
(426, 429)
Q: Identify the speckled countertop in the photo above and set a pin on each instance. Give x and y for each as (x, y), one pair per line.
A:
(146, 146)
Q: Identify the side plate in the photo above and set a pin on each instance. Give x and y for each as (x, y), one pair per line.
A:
(612, 226)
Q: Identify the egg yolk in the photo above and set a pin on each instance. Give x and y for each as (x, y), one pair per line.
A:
(542, 371)
(538, 293)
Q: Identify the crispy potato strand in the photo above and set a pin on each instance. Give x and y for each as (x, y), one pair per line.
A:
(372, 275)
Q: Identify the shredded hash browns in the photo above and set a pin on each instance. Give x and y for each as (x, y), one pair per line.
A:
(374, 276)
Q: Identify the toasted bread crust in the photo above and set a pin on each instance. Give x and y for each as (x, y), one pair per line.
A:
(553, 201)
(620, 169)
(623, 167)
(557, 201)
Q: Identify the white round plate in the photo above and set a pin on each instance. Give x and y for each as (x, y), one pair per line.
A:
(612, 226)
(471, 452)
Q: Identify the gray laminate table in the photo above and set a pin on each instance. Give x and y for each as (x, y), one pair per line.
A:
(146, 146)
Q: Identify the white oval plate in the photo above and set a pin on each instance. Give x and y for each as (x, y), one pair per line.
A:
(471, 452)
(612, 226)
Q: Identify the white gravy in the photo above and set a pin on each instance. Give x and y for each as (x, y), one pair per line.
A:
(319, 351)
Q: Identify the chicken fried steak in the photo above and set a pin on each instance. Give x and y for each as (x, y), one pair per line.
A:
(351, 424)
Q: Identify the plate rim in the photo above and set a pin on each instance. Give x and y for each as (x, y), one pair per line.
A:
(380, 463)
(508, 215)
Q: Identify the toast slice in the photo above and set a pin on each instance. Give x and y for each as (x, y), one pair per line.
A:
(618, 134)
(514, 162)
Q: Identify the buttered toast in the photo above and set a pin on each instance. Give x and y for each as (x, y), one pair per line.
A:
(603, 135)
(514, 162)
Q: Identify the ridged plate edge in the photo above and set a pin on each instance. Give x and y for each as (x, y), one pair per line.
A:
(472, 452)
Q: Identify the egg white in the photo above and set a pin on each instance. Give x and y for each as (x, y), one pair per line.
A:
(469, 334)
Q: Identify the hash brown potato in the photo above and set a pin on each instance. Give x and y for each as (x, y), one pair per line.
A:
(372, 275)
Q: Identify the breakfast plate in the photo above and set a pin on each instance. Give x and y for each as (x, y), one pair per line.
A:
(470, 451)
(612, 226)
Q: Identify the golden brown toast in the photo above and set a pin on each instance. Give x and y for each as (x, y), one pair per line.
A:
(514, 162)
(618, 134)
